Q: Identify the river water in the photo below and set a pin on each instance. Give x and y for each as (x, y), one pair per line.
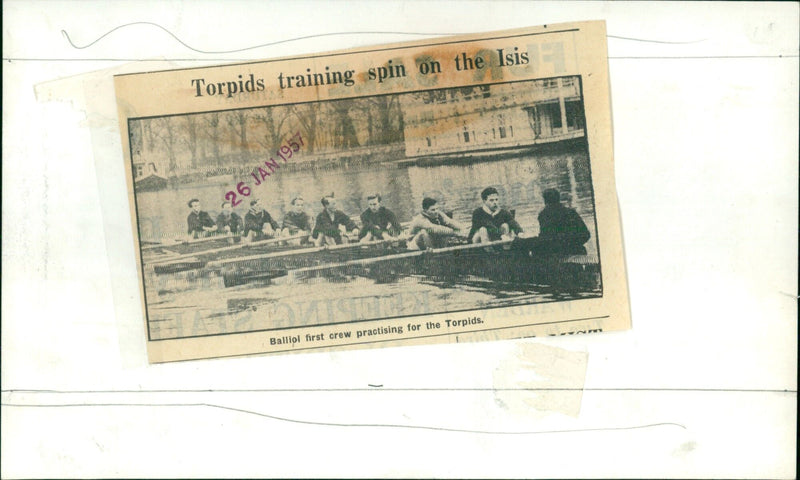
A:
(206, 307)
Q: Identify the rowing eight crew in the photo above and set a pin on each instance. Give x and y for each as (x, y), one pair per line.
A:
(561, 229)
(377, 221)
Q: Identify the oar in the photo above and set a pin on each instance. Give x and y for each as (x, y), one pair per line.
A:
(152, 244)
(301, 251)
(259, 243)
(415, 253)
(184, 242)
(167, 254)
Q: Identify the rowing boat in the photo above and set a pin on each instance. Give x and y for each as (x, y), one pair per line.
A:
(157, 251)
(180, 255)
(277, 264)
(170, 262)
(271, 255)
(506, 262)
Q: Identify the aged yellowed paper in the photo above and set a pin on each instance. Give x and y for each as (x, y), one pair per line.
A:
(446, 190)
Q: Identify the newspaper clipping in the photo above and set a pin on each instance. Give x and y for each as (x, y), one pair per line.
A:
(447, 190)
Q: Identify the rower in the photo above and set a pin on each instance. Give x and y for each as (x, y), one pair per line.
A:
(491, 223)
(296, 222)
(431, 228)
(199, 223)
(561, 229)
(330, 223)
(258, 223)
(378, 222)
(228, 221)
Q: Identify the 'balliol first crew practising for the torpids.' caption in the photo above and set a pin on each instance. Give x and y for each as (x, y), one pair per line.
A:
(561, 228)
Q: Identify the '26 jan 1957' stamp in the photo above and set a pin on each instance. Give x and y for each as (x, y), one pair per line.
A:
(260, 174)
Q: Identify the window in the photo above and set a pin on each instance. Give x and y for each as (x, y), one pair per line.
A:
(428, 139)
(502, 132)
(550, 83)
(466, 136)
(553, 111)
(574, 111)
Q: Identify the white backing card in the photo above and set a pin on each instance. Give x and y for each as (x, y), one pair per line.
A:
(705, 130)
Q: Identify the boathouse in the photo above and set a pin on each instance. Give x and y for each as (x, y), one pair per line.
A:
(487, 118)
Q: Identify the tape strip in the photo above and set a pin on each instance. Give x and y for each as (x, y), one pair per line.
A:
(538, 378)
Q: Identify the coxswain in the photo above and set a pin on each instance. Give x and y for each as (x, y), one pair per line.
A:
(561, 229)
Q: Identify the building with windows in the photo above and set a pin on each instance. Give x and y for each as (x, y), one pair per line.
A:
(491, 118)
(146, 169)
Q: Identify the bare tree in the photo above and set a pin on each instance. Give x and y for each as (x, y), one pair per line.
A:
(237, 123)
(136, 140)
(344, 130)
(213, 135)
(389, 128)
(165, 130)
(191, 140)
(149, 136)
(307, 114)
(364, 111)
(272, 119)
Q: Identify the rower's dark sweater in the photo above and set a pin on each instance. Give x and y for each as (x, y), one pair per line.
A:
(232, 220)
(254, 221)
(480, 218)
(196, 221)
(384, 220)
(562, 231)
(326, 225)
(297, 221)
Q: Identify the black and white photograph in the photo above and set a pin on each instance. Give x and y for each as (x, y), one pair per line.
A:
(377, 207)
